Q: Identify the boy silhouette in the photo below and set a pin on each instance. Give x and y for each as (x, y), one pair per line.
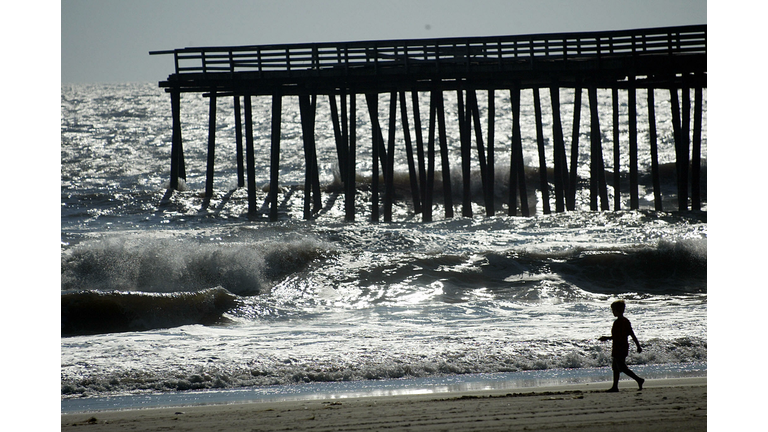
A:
(620, 331)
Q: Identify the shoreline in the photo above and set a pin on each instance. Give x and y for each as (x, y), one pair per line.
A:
(503, 381)
(678, 404)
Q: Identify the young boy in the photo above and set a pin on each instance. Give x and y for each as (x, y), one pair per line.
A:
(620, 331)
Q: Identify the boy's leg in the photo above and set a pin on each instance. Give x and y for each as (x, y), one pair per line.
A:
(624, 368)
(616, 366)
(632, 375)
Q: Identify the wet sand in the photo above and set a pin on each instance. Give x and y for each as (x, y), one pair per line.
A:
(662, 405)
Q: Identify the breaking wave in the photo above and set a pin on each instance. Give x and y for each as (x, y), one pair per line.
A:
(92, 312)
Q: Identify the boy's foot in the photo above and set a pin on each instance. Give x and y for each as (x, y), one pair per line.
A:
(612, 390)
(640, 383)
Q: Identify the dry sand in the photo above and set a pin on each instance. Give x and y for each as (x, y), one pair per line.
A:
(663, 405)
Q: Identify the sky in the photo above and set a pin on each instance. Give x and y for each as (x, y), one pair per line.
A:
(110, 40)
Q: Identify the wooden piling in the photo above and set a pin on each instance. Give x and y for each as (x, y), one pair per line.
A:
(430, 184)
(675, 106)
(351, 159)
(239, 143)
(420, 152)
(473, 115)
(317, 200)
(654, 151)
(525, 210)
(412, 175)
(343, 146)
(598, 188)
(345, 135)
(277, 102)
(490, 161)
(685, 132)
(339, 133)
(447, 193)
(466, 145)
(513, 177)
(389, 168)
(517, 164)
(560, 160)
(571, 197)
(696, 161)
(373, 111)
(544, 183)
(177, 151)
(594, 130)
(634, 198)
(211, 145)
(616, 150)
(250, 160)
(312, 199)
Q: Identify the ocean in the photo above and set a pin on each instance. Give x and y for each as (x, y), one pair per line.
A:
(172, 294)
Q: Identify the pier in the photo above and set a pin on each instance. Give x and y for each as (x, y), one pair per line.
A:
(670, 59)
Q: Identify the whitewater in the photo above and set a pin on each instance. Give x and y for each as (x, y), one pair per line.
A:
(169, 293)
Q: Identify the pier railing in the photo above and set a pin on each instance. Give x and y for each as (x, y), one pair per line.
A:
(433, 53)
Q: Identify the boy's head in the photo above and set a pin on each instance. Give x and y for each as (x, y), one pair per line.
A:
(618, 307)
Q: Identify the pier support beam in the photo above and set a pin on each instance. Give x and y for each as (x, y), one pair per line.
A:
(430, 184)
(544, 183)
(211, 146)
(350, 189)
(412, 175)
(420, 153)
(377, 152)
(274, 162)
(473, 116)
(389, 167)
(676, 124)
(307, 107)
(344, 129)
(616, 150)
(560, 159)
(685, 145)
(250, 160)
(696, 161)
(340, 133)
(447, 193)
(517, 164)
(598, 187)
(466, 146)
(571, 197)
(657, 203)
(490, 174)
(634, 198)
(178, 170)
(239, 143)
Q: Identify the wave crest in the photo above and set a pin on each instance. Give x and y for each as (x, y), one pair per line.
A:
(92, 312)
(163, 265)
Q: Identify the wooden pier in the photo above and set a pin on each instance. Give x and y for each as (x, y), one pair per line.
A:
(668, 59)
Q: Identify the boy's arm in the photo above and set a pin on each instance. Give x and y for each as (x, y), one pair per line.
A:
(604, 338)
(637, 342)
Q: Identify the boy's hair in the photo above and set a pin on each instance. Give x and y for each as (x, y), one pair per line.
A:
(618, 305)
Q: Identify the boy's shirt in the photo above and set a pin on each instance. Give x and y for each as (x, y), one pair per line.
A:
(620, 331)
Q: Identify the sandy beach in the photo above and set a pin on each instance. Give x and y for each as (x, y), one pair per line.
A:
(662, 405)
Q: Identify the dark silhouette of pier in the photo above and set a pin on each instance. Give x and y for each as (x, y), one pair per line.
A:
(669, 59)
